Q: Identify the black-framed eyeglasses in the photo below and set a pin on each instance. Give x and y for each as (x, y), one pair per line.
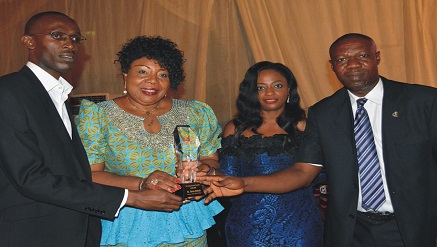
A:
(61, 36)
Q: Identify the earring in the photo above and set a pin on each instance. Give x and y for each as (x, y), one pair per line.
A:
(288, 99)
(125, 91)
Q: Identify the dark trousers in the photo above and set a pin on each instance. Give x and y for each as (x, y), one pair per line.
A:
(376, 232)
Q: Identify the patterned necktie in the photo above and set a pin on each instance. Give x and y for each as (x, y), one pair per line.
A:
(372, 189)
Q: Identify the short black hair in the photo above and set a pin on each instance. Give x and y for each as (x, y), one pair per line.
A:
(348, 36)
(33, 21)
(161, 50)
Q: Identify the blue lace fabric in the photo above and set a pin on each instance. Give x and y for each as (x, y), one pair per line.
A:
(259, 219)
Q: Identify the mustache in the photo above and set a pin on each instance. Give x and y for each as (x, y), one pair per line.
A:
(356, 72)
(70, 53)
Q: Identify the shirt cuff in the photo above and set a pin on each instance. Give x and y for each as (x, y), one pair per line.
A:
(126, 193)
(319, 165)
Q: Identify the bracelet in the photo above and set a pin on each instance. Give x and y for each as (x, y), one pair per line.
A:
(211, 171)
(141, 185)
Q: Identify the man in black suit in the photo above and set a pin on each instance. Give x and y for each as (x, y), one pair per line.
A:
(404, 124)
(47, 194)
(403, 120)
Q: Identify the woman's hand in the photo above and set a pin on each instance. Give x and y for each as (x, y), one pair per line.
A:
(201, 171)
(161, 180)
(220, 186)
(206, 170)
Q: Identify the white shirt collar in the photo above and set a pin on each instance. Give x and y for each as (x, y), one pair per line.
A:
(375, 95)
(47, 80)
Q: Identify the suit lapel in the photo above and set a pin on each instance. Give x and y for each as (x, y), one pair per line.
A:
(393, 114)
(342, 114)
(60, 129)
(43, 107)
(44, 98)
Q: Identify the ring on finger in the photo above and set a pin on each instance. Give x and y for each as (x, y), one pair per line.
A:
(154, 181)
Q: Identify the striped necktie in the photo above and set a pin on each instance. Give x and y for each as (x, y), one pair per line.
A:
(372, 189)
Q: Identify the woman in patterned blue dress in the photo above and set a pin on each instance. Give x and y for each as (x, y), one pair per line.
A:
(262, 139)
(129, 142)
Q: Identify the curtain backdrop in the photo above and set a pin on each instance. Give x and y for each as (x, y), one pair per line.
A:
(222, 38)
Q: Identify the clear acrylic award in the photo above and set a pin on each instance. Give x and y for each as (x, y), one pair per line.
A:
(186, 146)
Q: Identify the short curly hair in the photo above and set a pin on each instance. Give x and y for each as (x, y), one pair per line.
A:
(156, 48)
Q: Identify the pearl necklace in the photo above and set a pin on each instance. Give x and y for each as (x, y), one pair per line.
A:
(148, 113)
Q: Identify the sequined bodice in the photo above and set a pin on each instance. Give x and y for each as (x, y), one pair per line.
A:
(132, 125)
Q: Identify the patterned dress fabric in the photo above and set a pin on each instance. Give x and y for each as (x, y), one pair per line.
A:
(119, 139)
(259, 219)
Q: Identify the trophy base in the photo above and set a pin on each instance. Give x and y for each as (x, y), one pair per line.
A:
(190, 190)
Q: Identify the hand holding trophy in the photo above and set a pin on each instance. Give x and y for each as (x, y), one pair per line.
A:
(186, 146)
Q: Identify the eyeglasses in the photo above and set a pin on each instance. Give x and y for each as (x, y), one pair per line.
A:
(60, 36)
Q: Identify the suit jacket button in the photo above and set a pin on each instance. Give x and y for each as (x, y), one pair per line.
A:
(355, 186)
(351, 216)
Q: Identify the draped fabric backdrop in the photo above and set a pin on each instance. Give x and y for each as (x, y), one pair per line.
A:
(222, 38)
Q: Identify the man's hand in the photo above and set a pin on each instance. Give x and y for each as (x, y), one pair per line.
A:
(157, 200)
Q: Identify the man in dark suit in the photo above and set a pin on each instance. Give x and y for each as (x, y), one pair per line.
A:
(403, 121)
(46, 189)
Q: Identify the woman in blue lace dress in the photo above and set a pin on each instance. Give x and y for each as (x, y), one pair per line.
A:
(262, 139)
(129, 142)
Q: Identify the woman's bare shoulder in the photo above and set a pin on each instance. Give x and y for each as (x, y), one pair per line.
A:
(229, 129)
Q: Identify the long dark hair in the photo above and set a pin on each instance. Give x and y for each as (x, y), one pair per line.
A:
(249, 108)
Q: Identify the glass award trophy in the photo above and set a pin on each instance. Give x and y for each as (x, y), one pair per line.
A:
(186, 146)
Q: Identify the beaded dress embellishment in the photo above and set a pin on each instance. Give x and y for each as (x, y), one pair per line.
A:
(133, 126)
